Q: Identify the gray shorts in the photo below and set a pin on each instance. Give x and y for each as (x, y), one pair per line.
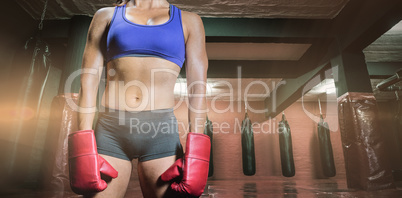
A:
(145, 135)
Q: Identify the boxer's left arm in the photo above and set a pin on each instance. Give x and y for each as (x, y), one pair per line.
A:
(194, 166)
(92, 67)
(196, 71)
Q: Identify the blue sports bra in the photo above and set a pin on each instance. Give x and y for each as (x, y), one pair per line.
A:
(126, 38)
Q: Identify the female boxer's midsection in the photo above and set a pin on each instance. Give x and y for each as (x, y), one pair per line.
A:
(140, 84)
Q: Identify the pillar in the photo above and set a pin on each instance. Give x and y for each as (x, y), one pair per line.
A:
(366, 161)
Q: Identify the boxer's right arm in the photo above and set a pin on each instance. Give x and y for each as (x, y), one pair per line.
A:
(92, 67)
(85, 164)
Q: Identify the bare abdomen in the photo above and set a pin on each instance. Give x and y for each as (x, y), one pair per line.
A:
(138, 84)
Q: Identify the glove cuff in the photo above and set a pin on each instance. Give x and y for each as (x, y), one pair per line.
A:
(81, 143)
(198, 146)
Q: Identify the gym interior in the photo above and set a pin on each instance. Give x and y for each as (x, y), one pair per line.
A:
(304, 97)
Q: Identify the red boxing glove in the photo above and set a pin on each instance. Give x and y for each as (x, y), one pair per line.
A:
(193, 167)
(85, 165)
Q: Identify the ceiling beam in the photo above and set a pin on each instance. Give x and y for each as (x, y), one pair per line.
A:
(357, 26)
(314, 55)
(242, 39)
(383, 70)
(249, 69)
(355, 31)
(274, 28)
(361, 22)
(269, 68)
(289, 91)
(255, 30)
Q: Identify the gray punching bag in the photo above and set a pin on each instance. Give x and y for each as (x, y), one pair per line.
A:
(209, 131)
(247, 144)
(286, 149)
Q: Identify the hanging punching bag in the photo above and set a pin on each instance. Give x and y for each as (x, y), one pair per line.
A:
(29, 101)
(285, 147)
(326, 153)
(34, 82)
(247, 144)
(209, 131)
